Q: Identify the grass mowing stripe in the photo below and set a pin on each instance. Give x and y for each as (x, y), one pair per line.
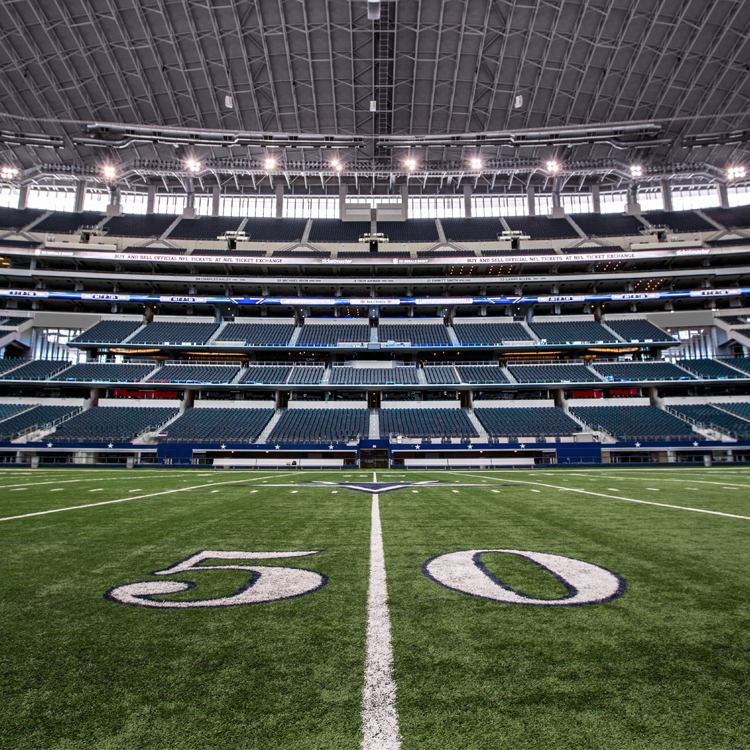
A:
(379, 716)
(120, 500)
(631, 500)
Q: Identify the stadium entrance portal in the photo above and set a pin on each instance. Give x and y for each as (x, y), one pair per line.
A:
(373, 399)
(373, 454)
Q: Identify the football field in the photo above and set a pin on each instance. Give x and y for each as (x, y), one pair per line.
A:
(600, 608)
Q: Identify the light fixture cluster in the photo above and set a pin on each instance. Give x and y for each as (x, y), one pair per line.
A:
(410, 164)
(270, 164)
(736, 173)
(192, 165)
(8, 173)
(553, 167)
(108, 171)
(636, 170)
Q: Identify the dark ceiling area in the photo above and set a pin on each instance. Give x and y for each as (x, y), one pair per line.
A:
(596, 85)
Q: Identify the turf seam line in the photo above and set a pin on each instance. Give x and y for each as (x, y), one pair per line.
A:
(379, 716)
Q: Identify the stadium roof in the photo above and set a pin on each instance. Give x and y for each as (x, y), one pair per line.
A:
(596, 85)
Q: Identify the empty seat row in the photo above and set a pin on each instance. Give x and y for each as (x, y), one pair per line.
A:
(521, 421)
(634, 422)
(640, 371)
(258, 334)
(572, 332)
(112, 423)
(416, 334)
(374, 375)
(195, 374)
(490, 334)
(552, 374)
(638, 331)
(331, 334)
(217, 425)
(708, 415)
(420, 423)
(105, 373)
(108, 331)
(320, 426)
(163, 332)
(39, 417)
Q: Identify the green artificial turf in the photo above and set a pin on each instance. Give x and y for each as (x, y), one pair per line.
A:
(666, 665)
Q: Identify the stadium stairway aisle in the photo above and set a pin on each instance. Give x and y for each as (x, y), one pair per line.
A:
(478, 426)
(374, 433)
(263, 437)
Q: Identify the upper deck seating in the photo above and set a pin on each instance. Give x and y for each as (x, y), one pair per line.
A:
(444, 252)
(12, 322)
(39, 369)
(38, 418)
(679, 221)
(139, 225)
(552, 374)
(300, 252)
(490, 334)
(426, 422)
(741, 363)
(10, 410)
(8, 363)
(307, 374)
(101, 424)
(638, 331)
(205, 227)
(524, 421)
(481, 374)
(103, 372)
(331, 334)
(334, 230)
(62, 222)
(411, 230)
(707, 415)
(108, 332)
(573, 332)
(739, 409)
(175, 333)
(14, 218)
(471, 230)
(731, 218)
(640, 371)
(416, 334)
(275, 230)
(608, 225)
(441, 375)
(320, 426)
(17, 244)
(374, 375)
(263, 374)
(380, 255)
(195, 374)
(542, 227)
(258, 334)
(218, 425)
(710, 369)
(634, 422)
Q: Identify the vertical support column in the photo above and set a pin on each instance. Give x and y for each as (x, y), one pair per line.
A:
(189, 210)
(404, 199)
(23, 196)
(151, 199)
(467, 201)
(596, 200)
(530, 198)
(342, 201)
(633, 207)
(114, 208)
(666, 195)
(215, 200)
(279, 201)
(557, 209)
(721, 189)
(80, 198)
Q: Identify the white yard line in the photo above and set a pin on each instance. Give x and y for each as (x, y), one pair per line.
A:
(122, 499)
(620, 497)
(379, 715)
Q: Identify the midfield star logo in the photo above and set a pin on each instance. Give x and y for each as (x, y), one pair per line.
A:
(376, 487)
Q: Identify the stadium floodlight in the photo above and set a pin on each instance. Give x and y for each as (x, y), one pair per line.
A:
(736, 173)
(636, 170)
(8, 173)
(410, 164)
(192, 165)
(108, 171)
(553, 167)
(476, 163)
(270, 164)
(337, 165)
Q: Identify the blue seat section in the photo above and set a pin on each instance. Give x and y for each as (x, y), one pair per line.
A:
(307, 375)
(472, 230)
(195, 374)
(490, 334)
(710, 369)
(9, 363)
(39, 417)
(218, 425)
(320, 426)
(740, 410)
(421, 423)
(275, 230)
(679, 221)
(40, 369)
(330, 334)
(608, 225)
(264, 374)
(62, 222)
(523, 421)
(106, 373)
(12, 322)
(542, 228)
(108, 332)
(731, 218)
(411, 230)
(374, 375)
(14, 218)
(205, 227)
(707, 415)
(258, 334)
(101, 424)
(743, 331)
(638, 331)
(573, 332)
(10, 410)
(481, 374)
(741, 363)
(441, 375)
(144, 225)
(333, 230)
(552, 374)
(640, 371)
(416, 334)
(634, 422)
(175, 333)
